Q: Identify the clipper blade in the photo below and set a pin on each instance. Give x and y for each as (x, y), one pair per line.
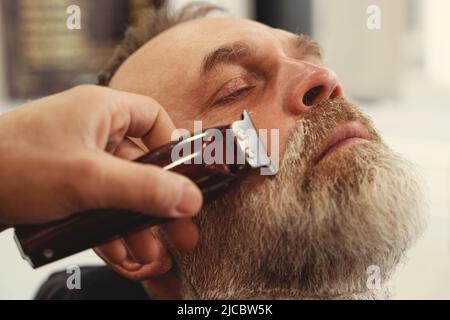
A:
(251, 147)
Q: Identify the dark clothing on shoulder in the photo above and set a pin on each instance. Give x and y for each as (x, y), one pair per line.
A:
(97, 283)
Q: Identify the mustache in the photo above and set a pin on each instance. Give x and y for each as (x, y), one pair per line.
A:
(309, 136)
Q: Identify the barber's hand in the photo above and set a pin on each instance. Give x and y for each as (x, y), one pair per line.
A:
(60, 155)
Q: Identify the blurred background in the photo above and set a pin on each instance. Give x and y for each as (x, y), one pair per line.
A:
(397, 70)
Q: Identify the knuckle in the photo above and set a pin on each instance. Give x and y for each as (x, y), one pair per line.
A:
(147, 100)
(154, 108)
(152, 102)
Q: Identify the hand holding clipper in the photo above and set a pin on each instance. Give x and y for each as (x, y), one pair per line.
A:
(44, 244)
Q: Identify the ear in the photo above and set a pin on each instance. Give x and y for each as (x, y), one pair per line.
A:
(134, 271)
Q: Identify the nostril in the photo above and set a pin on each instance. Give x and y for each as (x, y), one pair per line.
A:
(310, 97)
(336, 93)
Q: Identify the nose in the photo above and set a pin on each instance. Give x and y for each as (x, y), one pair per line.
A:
(311, 85)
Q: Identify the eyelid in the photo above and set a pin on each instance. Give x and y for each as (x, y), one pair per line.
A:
(232, 86)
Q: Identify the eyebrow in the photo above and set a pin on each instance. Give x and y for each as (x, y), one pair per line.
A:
(226, 54)
(235, 52)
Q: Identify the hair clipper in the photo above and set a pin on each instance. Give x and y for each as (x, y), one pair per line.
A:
(43, 244)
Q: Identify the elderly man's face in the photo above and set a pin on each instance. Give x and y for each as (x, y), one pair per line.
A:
(263, 70)
(329, 214)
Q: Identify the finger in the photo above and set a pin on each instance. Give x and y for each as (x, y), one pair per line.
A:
(141, 117)
(111, 182)
(182, 234)
(137, 272)
(128, 150)
(143, 246)
(163, 132)
(133, 270)
(128, 263)
(114, 251)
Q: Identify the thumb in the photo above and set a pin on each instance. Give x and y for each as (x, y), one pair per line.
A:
(142, 188)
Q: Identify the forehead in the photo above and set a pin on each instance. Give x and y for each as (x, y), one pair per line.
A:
(182, 47)
(216, 30)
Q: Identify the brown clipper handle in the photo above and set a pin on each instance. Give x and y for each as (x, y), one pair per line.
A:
(43, 244)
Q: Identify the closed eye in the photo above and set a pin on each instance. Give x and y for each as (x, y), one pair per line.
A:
(234, 96)
(234, 89)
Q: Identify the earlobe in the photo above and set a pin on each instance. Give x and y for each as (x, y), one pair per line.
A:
(135, 271)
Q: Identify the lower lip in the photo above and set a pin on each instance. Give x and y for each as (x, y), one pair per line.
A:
(344, 144)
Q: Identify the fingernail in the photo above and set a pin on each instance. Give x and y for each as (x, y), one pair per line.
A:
(189, 201)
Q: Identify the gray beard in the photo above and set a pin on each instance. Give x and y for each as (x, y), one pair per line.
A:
(311, 231)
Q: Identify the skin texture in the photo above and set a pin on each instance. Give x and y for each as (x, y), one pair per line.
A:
(271, 84)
